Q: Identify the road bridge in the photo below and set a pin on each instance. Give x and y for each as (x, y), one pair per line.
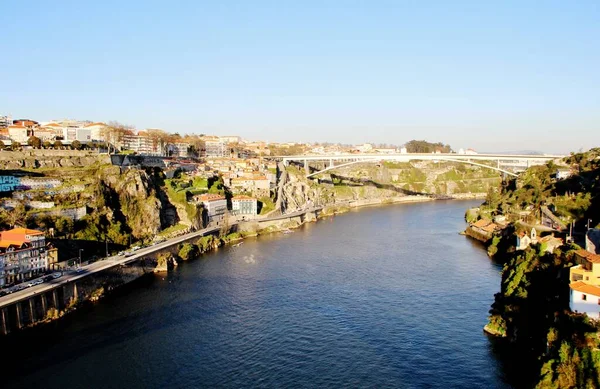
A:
(502, 162)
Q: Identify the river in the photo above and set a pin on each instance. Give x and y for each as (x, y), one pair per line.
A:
(382, 297)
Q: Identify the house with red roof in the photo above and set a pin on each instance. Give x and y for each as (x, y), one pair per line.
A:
(22, 255)
(585, 284)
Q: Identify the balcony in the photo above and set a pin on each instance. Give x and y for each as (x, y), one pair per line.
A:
(579, 273)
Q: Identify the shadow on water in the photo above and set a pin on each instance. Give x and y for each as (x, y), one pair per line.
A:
(49, 339)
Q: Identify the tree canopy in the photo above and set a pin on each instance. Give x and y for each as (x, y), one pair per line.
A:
(422, 146)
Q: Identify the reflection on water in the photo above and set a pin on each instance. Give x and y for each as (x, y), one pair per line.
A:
(384, 297)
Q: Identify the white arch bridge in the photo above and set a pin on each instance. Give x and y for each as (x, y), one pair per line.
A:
(503, 163)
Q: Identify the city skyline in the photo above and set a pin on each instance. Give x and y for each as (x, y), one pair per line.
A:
(495, 77)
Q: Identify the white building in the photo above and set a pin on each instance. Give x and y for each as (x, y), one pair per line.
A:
(215, 148)
(96, 131)
(244, 205)
(19, 134)
(585, 298)
(215, 205)
(230, 139)
(585, 284)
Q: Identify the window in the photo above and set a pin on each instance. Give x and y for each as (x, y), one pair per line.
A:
(584, 297)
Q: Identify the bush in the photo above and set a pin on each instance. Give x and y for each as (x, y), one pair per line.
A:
(188, 251)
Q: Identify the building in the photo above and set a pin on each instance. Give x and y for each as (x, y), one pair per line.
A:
(562, 174)
(244, 205)
(22, 255)
(179, 149)
(83, 135)
(215, 148)
(230, 139)
(215, 206)
(5, 121)
(19, 133)
(97, 131)
(525, 240)
(585, 298)
(141, 144)
(585, 284)
(260, 185)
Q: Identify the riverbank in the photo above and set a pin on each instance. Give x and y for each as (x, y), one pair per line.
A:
(96, 286)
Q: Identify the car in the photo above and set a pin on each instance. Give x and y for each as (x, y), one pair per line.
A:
(128, 254)
(79, 270)
(30, 284)
(56, 275)
(135, 248)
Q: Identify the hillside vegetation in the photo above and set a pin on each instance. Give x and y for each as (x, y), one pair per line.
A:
(532, 308)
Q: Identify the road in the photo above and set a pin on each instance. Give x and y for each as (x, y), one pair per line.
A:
(117, 260)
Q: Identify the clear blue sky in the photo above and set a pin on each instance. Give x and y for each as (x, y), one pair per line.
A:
(493, 75)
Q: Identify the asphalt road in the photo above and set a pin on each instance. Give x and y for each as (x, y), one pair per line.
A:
(116, 260)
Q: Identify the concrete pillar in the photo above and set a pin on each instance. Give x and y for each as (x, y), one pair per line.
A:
(498, 164)
(44, 304)
(75, 297)
(306, 167)
(331, 163)
(55, 298)
(4, 324)
(31, 311)
(19, 315)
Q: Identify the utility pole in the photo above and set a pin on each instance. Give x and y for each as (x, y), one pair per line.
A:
(80, 250)
(106, 242)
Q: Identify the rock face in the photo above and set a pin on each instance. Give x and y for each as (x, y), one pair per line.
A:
(137, 201)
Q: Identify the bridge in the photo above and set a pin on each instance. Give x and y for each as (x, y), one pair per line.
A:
(503, 162)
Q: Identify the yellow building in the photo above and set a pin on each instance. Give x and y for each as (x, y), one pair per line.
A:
(588, 270)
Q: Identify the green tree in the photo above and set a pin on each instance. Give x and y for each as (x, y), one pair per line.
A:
(76, 145)
(64, 225)
(188, 251)
(34, 142)
(16, 217)
(58, 144)
(1, 145)
(16, 145)
(47, 144)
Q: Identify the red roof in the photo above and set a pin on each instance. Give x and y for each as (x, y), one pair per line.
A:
(582, 287)
(210, 197)
(590, 257)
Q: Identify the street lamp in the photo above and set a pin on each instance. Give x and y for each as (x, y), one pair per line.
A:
(80, 250)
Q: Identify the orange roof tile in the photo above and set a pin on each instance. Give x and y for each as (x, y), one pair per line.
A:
(8, 243)
(26, 231)
(481, 223)
(581, 286)
(210, 197)
(590, 257)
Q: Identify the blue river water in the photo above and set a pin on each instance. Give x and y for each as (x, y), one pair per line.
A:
(382, 297)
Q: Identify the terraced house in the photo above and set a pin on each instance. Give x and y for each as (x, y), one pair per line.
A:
(22, 255)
